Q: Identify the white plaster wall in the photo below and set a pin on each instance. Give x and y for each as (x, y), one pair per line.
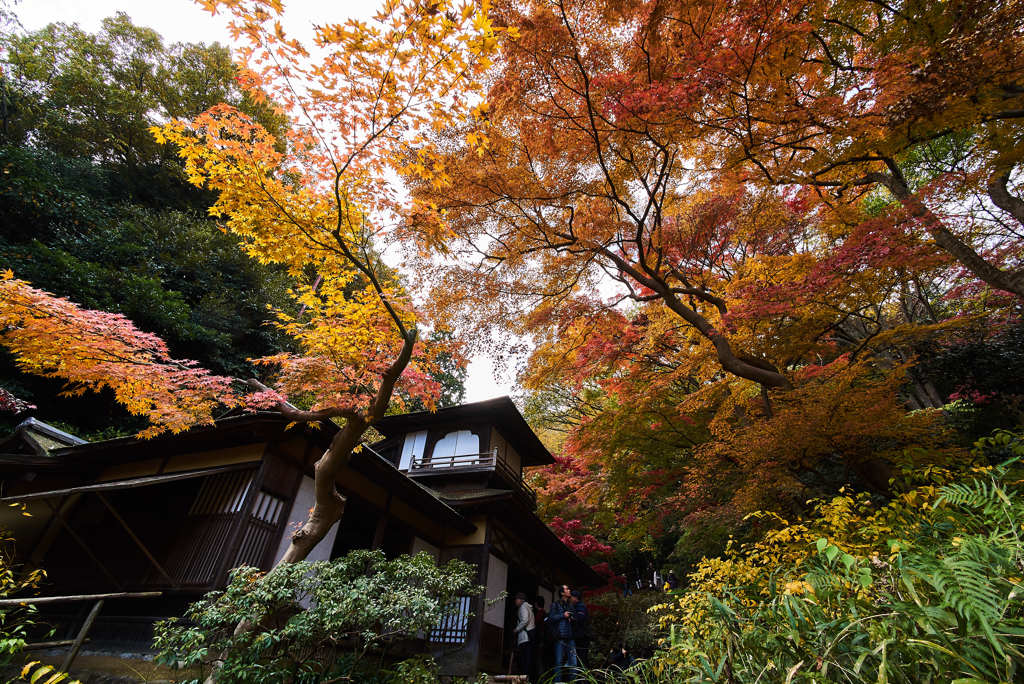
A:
(546, 593)
(297, 516)
(497, 582)
(423, 545)
(505, 451)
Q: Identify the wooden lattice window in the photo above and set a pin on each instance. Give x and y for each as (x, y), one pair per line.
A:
(453, 629)
(260, 531)
(197, 554)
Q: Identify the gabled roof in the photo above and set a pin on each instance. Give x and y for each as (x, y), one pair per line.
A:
(500, 412)
(34, 441)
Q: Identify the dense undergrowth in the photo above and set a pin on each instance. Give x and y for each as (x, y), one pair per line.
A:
(926, 587)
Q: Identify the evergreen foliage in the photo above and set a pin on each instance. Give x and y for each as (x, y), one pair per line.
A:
(93, 209)
(311, 622)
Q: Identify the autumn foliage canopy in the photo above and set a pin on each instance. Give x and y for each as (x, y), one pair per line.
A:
(737, 240)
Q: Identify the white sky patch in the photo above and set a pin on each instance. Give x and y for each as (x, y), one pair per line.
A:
(184, 21)
(485, 381)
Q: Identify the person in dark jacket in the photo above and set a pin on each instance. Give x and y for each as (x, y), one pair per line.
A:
(560, 619)
(580, 628)
(540, 657)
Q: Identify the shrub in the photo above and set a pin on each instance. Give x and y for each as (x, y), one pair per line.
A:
(311, 622)
(622, 620)
(927, 588)
(15, 623)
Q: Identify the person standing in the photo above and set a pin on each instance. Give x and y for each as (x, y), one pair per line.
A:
(524, 627)
(560, 619)
(538, 656)
(580, 628)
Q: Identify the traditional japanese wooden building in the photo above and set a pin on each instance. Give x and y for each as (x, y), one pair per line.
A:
(177, 512)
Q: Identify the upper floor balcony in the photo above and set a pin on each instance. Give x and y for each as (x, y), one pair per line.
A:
(485, 463)
(484, 445)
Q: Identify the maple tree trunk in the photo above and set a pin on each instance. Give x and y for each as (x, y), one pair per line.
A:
(1001, 197)
(975, 263)
(754, 370)
(748, 368)
(329, 504)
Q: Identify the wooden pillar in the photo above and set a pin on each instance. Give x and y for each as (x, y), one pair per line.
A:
(382, 525)
(82, 633)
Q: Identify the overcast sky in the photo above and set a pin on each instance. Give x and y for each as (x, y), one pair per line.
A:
(183, 20)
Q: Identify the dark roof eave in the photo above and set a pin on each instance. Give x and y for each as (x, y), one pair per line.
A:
(32, 460)
(127, 483)
(121, 445)
(543, 533)
(365, 460)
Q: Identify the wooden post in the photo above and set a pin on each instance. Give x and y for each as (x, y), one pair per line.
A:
(82, 633)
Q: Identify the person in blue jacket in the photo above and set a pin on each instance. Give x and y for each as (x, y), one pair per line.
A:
(560, 619)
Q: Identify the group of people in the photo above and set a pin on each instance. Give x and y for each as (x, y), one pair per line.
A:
(557, 638)
(652, 580)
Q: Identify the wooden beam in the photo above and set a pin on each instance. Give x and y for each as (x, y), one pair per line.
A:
(138, 542)
(80, 639)
(85, 547)
(40, 600)
(39, 645)
(129, 483)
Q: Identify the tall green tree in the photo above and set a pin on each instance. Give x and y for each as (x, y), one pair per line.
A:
(94, 209)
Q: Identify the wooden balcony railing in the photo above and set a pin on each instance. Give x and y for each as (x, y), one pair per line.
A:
(486, 461)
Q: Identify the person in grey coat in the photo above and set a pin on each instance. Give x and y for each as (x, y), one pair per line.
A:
(525, 625)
